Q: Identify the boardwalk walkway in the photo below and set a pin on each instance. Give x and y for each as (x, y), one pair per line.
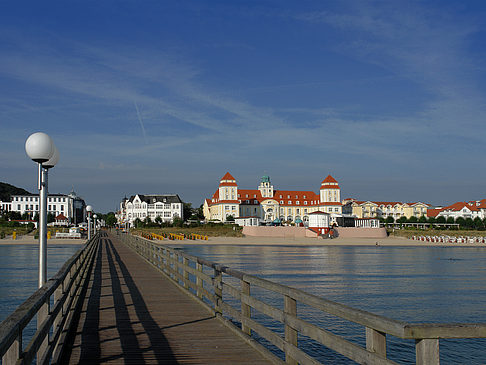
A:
(134, 315)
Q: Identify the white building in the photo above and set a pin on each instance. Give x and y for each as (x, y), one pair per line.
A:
(167, 207)
(473, 209)
(71, 206)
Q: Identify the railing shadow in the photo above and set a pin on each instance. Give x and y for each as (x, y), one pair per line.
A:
(158, 342)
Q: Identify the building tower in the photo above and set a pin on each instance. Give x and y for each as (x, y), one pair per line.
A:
(228, 189)
(266, 187)
(330, 191)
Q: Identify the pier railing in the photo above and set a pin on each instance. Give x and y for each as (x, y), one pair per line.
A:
(54, 306)
(205, 280)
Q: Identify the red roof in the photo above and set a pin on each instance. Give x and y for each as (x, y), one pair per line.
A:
(433, 212)
(61, 217)
(328, 186)
(329, 179)
(228, 176)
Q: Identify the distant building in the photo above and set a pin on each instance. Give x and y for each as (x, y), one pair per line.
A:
(167, 207)
(472, 209)
(271, 205)
(71, 206)
(377, 209)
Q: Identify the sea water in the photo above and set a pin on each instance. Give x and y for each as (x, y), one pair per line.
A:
(412, 284)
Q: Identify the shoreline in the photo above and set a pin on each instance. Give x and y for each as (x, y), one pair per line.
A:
(276, 241)
(30, 240)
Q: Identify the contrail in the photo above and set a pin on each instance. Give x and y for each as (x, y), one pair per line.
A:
(141, 122)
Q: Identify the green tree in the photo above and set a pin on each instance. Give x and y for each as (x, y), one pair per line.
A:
(110, 219)
(137, 223)
(461, 221)
(413, 219)
(187, 211)
(50, 217)
(402, 219)
(158, 220)
(230, 218)
(478, 223)
(389, 219)
(441, 219)
(177, 221)
(450, 220)
(469, 223)
(423, 219)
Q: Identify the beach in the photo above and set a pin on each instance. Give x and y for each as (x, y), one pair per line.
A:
(30, 240)
(264, 241)
(289, 241)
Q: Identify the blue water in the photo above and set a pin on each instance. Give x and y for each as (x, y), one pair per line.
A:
(19, 267)
(413, 284)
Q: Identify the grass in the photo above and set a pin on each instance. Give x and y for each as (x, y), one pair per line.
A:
(207, 230)
(8, 231)
(435, 232)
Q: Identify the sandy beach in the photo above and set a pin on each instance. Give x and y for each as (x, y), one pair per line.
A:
(389, 241)
(262, 241)
(30, 240)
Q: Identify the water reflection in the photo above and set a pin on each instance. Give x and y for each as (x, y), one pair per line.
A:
(413, 284)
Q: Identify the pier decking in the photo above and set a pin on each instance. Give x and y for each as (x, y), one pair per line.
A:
(133, 314)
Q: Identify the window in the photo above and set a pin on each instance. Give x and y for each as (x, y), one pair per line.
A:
(290, 201)
(296, 197)
(305, 197)
(36, 207)
(48, 208)
(281, 201)
(288, 196)
(62, 207)
(18, 206)
(305, 202)
(280, 196)
(246, 196)
(297, 202)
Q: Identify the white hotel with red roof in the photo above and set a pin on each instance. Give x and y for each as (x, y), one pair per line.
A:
(268, 205)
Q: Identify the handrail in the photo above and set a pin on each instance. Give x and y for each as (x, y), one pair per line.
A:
(65, 286)
(176, 265)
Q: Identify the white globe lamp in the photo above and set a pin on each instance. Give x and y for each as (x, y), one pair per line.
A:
(53, 160)
(39, 147)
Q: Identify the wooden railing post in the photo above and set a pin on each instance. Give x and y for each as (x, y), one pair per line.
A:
(218, 290)
(185, 273)
(376, 341)
(427, 351)
(290, 307)
(245, 308)
(199, 281)
(42, 314)
(14, 351)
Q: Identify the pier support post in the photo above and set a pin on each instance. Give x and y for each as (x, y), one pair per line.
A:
(376, 341)
(290, 307)
(245, 308)
(427, 351)
(218, 290)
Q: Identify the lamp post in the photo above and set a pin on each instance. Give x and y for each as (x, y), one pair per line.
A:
(89, 209)
(94, 224)
(40, 148)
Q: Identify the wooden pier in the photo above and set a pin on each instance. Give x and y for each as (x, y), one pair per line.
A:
(133, 314)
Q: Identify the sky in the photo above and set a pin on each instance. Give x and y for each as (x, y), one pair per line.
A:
(167, 96)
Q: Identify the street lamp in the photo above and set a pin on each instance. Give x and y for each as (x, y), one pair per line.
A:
(94, 224)
(89, 209)
(40, 148)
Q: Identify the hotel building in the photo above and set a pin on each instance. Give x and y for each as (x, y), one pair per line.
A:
(268, 204)
(376, 209)
(167, 207)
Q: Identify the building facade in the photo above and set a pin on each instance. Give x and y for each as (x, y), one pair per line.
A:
(376, 209)
(71, 206)
(166, 207)
(472, 209)
(271, 205)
